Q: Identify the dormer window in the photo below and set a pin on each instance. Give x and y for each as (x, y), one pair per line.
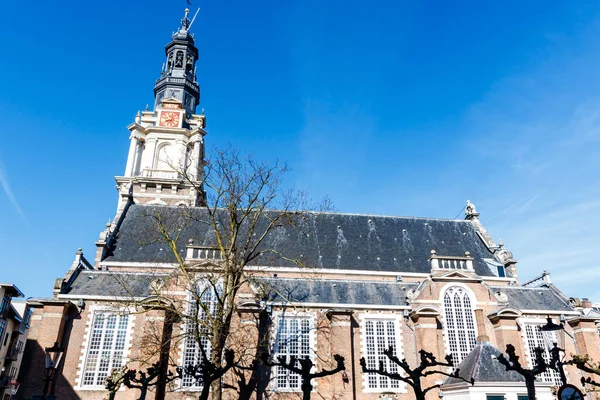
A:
(438, 262)
(501, 271)
(495, 267)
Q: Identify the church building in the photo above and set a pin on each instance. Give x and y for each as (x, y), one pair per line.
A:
(360, 284)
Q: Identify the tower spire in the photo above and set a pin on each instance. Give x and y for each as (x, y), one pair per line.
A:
(178, 75)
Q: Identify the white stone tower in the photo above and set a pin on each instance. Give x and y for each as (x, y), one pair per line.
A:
(166, 153)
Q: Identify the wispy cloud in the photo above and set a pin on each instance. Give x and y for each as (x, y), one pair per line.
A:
(9, 193)
(545, 170)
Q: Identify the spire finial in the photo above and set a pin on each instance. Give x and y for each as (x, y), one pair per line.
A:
(185, 22)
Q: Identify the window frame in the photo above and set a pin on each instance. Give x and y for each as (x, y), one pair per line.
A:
(80, 385)
(550, 376)
(202, 285)
(397, 321)
(452, 333)
(312, 328)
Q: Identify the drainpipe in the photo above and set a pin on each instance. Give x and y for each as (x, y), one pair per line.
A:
(353, 325)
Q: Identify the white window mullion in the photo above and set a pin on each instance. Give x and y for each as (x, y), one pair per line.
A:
(292, 339)
(534, 337)
(102, 353)
(379, 335)
(460, 328)
(192, 355)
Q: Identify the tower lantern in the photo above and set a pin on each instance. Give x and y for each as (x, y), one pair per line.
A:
(178, 76)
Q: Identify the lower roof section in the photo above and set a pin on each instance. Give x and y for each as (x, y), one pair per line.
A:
(335, 292)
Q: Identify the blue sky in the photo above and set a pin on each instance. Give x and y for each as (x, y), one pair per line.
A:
(387, 107)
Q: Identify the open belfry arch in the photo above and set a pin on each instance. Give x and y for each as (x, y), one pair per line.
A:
(333, 284)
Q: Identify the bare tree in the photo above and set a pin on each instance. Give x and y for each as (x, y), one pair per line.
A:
(304, 369)
(585, 364)
(513, 364)
(114, 381)
(245, 205)
(413, 376)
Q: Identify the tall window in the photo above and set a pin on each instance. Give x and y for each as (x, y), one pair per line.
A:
(164, 161)
(2, 328)
(544, 340)
(460, 327)
(293, 339)
(198, 317)
(106, 348)
(380, 335)
(5, 302)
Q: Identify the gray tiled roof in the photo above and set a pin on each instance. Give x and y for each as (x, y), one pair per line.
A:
(331, 291)
(112, 284)
(319, 240)
(482, 365)
(539, 298)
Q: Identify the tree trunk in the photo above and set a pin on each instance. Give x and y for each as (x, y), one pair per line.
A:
(204, 393)
(306, 389)
(143, 391)
(165, 348)
(530, 383)
(217, 360)
(419, 395)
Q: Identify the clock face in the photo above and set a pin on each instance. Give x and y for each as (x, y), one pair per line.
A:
(169, 119)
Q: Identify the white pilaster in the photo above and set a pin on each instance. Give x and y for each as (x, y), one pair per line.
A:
(131, 155)
(181, 147)
(138, 155)
(194, 169)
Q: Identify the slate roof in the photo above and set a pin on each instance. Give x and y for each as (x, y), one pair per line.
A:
(335, 291)
(538, 298)
(112, 284)
(482, 365)
(319, 240)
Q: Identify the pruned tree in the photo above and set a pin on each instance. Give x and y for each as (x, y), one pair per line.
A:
(413, 376)
(585, 364)
(153, 376)
(207, 372)
(512, 364)
(303, 367)
(114, 381)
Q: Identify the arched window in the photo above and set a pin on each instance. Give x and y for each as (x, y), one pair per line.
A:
(163, 159)
(201, 307)
(179, 59)
(460, 326)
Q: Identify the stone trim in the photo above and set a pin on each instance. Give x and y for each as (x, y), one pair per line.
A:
(86, 341)
(312, 343)
(397, 318)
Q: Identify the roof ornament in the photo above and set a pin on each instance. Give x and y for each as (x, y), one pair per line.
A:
(470, 211)
(186, 24)
(185, 21)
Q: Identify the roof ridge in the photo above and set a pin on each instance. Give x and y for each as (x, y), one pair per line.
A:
(477, 357)
(338, 280)
(330, 213)
(520, 287)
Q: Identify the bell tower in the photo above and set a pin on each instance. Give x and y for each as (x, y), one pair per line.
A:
(178, 76)
(166, 151)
